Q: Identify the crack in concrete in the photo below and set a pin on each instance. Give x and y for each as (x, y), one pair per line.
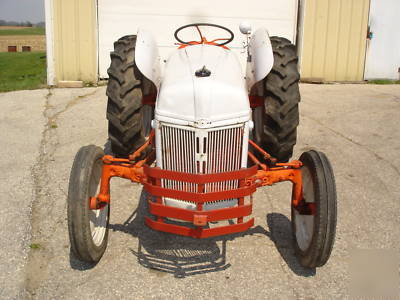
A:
(354, 142)
(37, 256)
(53, 118)
(36, 269)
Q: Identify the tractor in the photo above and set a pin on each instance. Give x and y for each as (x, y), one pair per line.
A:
(201, 135)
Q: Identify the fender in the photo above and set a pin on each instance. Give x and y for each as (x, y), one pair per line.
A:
(260, 57)
(147, 58)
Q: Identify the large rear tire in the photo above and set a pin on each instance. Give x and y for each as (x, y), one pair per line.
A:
(276, 122)
(124, 91)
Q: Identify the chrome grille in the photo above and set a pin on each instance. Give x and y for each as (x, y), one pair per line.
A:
(224, 154)
(201, 151)
(178, 148)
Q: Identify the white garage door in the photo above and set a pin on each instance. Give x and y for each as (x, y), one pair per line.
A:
(122, 17)
(383, 52)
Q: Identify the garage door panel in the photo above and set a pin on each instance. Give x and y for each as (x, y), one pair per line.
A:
(321, 25)
(268, 9)
(166, 27)
(358, 36)
(343, 42)
(120, 18)
(334, 40)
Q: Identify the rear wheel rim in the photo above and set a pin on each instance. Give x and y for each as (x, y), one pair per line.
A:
(98, 218)
(304, 224)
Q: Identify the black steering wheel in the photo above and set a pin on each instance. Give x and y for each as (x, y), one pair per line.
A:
(203, 39)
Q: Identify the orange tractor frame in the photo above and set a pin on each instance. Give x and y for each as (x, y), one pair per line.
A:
(249, 179)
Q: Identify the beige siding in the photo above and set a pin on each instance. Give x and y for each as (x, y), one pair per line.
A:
(334, 40)
(75, 42)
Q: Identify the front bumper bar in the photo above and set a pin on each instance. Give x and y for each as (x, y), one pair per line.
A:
(198, 220)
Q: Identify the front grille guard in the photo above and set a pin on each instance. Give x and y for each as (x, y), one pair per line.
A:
(196, 223)
(199, 219)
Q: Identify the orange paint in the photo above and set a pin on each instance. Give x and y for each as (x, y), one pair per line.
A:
(151, 177)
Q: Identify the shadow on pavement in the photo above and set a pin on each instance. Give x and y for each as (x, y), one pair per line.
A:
(281, 234)
(76, 264)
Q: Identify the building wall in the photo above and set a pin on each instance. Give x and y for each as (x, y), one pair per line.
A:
(74, 39)
(334, 40)
(36, 42)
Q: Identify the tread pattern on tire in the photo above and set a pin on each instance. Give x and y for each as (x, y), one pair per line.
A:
(331, 210)
(281, 112)
(323, 239)
(124, 91)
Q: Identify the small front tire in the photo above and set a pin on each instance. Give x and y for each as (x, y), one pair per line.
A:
(314, 230)
(88, 229)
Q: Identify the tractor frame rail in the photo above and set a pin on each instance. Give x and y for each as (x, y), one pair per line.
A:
(196, 222)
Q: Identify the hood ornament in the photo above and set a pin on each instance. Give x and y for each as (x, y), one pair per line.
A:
(203, 72)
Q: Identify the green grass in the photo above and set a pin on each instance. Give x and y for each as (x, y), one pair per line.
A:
(22, 71)
(23, 31)
(383, 81)
(35, 246)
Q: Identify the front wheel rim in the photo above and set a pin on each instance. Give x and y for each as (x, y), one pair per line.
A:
(98, 224)
(98, 218)
(304, 224)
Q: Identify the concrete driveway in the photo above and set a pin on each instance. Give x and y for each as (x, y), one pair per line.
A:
(357, 126)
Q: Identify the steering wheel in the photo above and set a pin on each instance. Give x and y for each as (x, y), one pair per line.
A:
(203, 39)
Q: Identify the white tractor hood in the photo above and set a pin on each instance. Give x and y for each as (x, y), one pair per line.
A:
(215, 100)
